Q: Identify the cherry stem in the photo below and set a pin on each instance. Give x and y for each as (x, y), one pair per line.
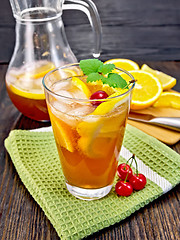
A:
(133, 156)
(129, 168)
(131, 81)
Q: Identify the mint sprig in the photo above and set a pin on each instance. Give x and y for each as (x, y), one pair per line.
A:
(96, 70)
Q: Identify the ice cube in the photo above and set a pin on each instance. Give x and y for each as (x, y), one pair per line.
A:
(79, 94)
(60, 111)
(64, 93)
(81, 110)
(61, 85)
(61, 106)
(66, 97)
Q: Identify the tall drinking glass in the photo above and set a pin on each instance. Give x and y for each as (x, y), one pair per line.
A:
(88, 136)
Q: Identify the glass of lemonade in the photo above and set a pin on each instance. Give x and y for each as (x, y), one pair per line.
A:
(88, 135)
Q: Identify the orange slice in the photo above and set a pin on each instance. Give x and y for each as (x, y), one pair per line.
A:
(125, 64)
(168, 99)
(147, 89)
(167, 81)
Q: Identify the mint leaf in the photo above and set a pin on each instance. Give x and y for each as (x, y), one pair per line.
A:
(92, 77)
(116, 81)
(90, 66)
(106, 68)
(96, 70)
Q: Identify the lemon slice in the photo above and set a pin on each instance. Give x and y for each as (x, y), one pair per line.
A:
(97, 128)
(168, 99)
(92, 124)
(39, 72)
(35, 94)
(167, 81)
(147, 89)
(125, 64)
(81, 86)
(111, 102)
(62, 132)
(64, 138)
(92, 147)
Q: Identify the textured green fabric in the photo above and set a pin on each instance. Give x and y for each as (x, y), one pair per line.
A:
(36, 160)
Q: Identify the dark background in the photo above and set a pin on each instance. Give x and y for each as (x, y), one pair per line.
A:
(136, 29)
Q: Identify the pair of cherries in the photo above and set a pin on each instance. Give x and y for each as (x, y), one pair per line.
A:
(129, 181)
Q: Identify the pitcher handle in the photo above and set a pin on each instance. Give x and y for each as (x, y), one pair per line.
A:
(89, 8)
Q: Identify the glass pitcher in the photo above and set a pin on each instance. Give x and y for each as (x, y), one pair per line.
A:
(41, 46)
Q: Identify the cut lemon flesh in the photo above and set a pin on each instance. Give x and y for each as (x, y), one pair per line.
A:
(81, 86)
(147, 89)
(125, 64)
(37, 94)
(168, 99)
(167, 81)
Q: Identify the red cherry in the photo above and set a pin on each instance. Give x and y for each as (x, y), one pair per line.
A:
(123, 188)
(138, 181)
(98, 95)
(123, 170)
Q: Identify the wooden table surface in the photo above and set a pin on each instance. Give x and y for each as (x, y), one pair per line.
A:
(146, 32)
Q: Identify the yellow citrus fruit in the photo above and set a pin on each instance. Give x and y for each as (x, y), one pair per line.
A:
(168, 99)
(37, 94)
(69, 72)
(96, 128)
(81, 86)
(63, 135)
(98, 85)
(111, 102)
(39, 72)
(147, 89)
(167, 81)
(92, 147)
(125, 64)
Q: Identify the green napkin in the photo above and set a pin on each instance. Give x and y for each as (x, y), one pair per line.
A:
(35, 158)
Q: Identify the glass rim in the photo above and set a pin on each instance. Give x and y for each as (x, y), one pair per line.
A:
(84, 99)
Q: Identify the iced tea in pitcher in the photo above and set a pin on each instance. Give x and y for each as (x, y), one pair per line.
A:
(88, 116)
(24, 86)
